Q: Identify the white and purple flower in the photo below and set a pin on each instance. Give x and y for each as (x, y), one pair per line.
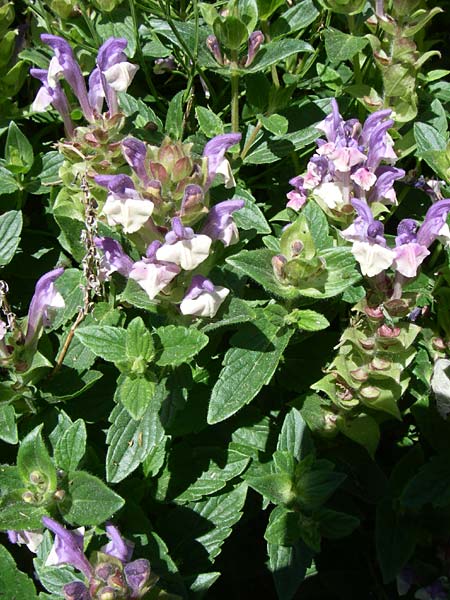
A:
(203, 298)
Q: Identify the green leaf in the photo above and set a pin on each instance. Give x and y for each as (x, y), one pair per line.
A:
(250, 216)
(431, 485)
(266, 8)
(14, 585)
(428, 138)
(49, 176)
(135, 393)
(19, 154)
(308, 320)
(197, 530)
(248, 365)
(276, 487)
(33, 457)
(276, 124)
(276, 51)
(248, 13)
(363, 430)
(294, 435)
(288, 566)
(71, 446)
(139, 342)
(316, 482)
(335, 524)
(210, 124)
(178, 345)
(297, 17)
(104, 341)
(174, 119)
(8, 183)
(283, 528)
(8, 425)
(18, 515)
(395, 537)
(230, 31)
(271, 149)
(92, 502)
(130, 441)
(10, 230)
(342, 46)
(340, 273)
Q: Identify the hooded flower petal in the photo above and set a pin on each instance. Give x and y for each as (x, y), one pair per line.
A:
(203, 298)
(215, 150)
(331, 194)
(120, 76)
(135, 153)
(114, 258)
(31, 539)
(183, 247)
(137, 574)
(46, 298)
(64, 64)
(153, 276)
(220, 225)
(118, 546)
(130, 213)
(434, 222)
(53, 95)
(67, 547)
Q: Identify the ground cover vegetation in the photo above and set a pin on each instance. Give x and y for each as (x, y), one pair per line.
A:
(224, 299)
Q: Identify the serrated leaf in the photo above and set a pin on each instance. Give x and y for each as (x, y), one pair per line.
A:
(135, 393)
(248, 365)
(294, 435)
(288, 566)
(10, 230)
(174, 119)
(33, 456)
(178, 344)
(209, 123)
(19, 154)
(341, 46)
(250, 216)
(104, 341)
(71, 446)
(8, 425)
(276, 124)
(430, 485)
(308, 320)
(17, 515)
(276, 487)
(8, 183)
(428, 139)
(276, 51)
(92, 502)
(130, 441)
(139, 341)
(271, 149)
(284, 528)
(14, 585)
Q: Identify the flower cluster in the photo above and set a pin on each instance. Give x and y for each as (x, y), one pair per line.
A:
(167, 194)
(411, 243)
(348, 165)
(112, 74)
(112, 574)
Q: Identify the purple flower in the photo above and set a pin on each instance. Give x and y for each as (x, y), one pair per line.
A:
(46, 298)
(76, 590)
(214, 151)
(193, 197)
(183, 247)
(116, 72)
(114, 258)
(67, 548)
(31, 539)
(203, 298)
(137, 574)
(434, 224)
(54, 95)
(64, 64)
(152, 274)
(214, 47)
(124, 206)
(434, 591)
(118, 546)
(254, 43)
(135, 153)
(220, 225)
(369, 245)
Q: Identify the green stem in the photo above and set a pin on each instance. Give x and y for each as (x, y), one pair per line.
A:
(142, 60)
(250, 140)
(266, 31)
(234, 101)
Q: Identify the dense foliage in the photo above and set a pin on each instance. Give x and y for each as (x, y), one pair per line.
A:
(224, 299)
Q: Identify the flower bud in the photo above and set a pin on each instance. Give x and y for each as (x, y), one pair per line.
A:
(29, 497)
(107, 593)
(438, 344)
(374, 313)
(359, 374)
(254, 43)
(214, 47)
(37, 478)
(59, 495)
(380, 364)
(368, 343)
(278, 263)
(388, 332)
(370, 392)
